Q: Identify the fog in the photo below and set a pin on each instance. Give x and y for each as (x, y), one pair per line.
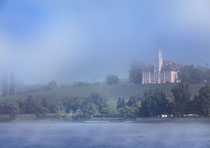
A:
(105, 135)
(76, 40)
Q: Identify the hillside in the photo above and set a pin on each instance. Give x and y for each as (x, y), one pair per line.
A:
(123, 90)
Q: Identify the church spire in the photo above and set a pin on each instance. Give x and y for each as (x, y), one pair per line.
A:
(160, 57)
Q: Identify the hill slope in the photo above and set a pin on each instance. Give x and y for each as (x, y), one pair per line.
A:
(123, 90)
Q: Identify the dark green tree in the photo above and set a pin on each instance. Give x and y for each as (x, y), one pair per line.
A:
(13, 109)
(97, 99)
(135, 73)
(72, 104)
(191, 75)
(5, 86)
(33, 106)
(154, 104)
(202, 101)
(132, 101)
(112, 80)
(120, 103)
(181, 95)
(12, 85)
(128, 112)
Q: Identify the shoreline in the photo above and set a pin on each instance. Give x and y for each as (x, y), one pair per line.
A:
(138, 120)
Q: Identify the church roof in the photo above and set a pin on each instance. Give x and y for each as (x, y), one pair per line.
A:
(170, 66)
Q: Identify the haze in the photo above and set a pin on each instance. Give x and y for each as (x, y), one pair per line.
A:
(76, 40)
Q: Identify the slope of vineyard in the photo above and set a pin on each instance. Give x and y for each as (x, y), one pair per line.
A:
(123, 90)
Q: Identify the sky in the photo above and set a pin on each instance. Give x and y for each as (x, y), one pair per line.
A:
(85, 40)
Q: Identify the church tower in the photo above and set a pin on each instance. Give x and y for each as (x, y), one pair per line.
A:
(158, 66)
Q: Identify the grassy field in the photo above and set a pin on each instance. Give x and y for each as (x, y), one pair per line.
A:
(112, 92)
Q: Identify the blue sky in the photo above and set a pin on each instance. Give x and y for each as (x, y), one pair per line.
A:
(72, 40)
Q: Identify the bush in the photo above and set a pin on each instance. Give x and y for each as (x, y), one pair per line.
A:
(112, 80)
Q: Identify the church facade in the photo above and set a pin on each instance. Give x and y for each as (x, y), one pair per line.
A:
(163, 72)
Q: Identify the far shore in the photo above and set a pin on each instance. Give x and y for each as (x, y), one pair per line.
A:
(113, 120)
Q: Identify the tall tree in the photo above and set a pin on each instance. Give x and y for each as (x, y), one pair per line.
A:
(5, 85)
(120, 103)
(202, 101)
(135, 73)
(191, 74)
(12, 84)
(154, 104)
(181, 95)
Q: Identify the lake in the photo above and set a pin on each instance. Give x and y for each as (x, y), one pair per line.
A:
(104, 135)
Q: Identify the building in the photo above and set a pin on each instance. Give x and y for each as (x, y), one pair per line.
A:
(163, 72)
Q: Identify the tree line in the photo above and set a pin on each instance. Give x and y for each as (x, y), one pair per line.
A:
(85, 107)
(153, 104)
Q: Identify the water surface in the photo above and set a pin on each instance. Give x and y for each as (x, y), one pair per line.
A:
(104, 135)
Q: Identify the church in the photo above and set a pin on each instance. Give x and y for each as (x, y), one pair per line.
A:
(163, 72)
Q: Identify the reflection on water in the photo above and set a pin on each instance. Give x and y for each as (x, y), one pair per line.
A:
(104, 135)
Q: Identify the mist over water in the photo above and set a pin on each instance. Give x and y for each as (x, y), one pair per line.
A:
(105, 135)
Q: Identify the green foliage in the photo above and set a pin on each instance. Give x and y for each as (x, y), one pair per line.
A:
(112, 91)
(5, 86)
(129, 109)
(207, 76)
(61, 113)
(128, 112)
(135, 74)
(90, 110)
(181, 95)
(154, 104)
(73, 104)
(202, 101)
(120, 103)
(13, 109)
(132, 102)
(97, 99)
(12, 85)
(112, 80)
(31, 106)
(192, 75)
(52, 84)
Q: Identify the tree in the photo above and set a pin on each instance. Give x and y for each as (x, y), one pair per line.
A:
(61, 113)
(33, 106)
(52, 84)
(90, 110)
(112, 80)
(96, 99)
(12, 85)
(5, 86)
(14, 109)
(120, 103)
(202, 101)
(45, 102)
(191, 75)
(128, 112)
(4, 108)
(135, 74)
(208, 76)
(154, 104)
(73, 104)
(132, 101)
(181, 95)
